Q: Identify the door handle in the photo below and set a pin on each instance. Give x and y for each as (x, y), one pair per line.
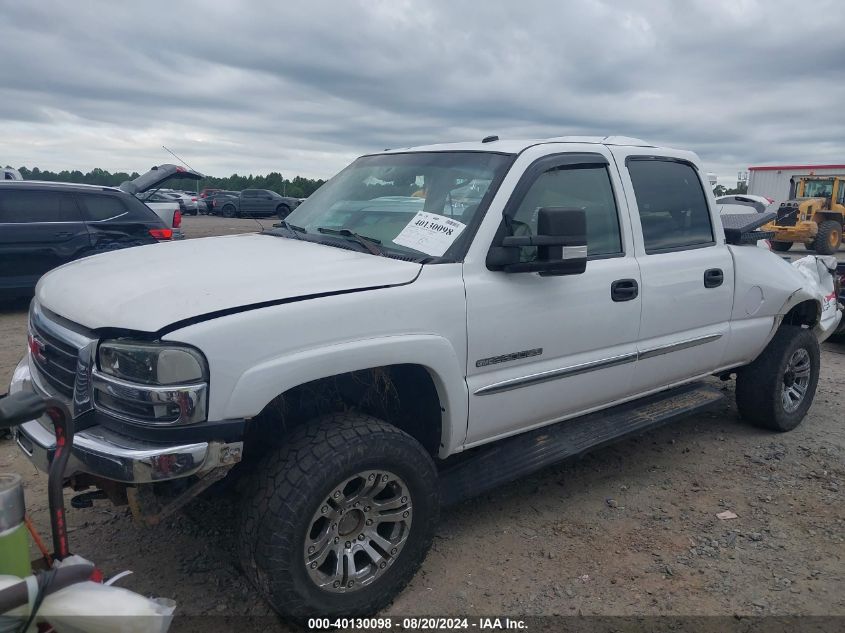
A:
(64, 234)
(713, 278)
(624, 290)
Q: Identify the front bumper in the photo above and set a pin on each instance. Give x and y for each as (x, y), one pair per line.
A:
(104, 453)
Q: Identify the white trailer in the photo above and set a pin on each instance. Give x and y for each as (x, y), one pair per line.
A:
(778, 181)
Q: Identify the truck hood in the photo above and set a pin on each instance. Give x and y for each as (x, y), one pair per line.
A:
(148, 288)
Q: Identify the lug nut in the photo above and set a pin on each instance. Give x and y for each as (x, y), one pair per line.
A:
(336, 540)
(348, 544)
(406, 514)
(382, 565)
(351, 582)
(334, 526)
(384, 477)
(366, 508)
(311, 550)
(404, 499)
(336, 584)
(360, 537)
(371, 477)
(393, 551)
(369, 521)
(324, 509)
(314, 565)
(336, 494)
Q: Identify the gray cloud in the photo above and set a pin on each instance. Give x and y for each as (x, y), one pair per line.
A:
(303, 87)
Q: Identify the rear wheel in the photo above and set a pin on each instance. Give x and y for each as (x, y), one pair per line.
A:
(229, 211)
(340, 518)
(828, 238)
(776, 390)
(283, 211)
(781, 247)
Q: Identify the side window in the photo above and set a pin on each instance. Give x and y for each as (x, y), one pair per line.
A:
(23, 207)
(672, 205)
(250, 193)
(103, 208)
(586, 188)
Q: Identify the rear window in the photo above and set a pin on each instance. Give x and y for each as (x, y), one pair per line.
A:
(673, 208)
(22, 206)
(107, 208)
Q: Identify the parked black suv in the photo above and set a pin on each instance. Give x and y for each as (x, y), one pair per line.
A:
(46, 224)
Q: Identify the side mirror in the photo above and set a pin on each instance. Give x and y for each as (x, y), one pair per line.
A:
(561, 243)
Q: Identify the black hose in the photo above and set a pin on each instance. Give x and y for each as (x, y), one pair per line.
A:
(18, 596)
(63, 426)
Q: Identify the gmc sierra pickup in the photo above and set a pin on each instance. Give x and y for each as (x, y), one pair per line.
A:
(431, 323)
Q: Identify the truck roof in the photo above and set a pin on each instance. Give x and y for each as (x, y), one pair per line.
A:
(514, 146)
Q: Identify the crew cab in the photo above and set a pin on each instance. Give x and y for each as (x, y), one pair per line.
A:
(432, 322)
(254, 203)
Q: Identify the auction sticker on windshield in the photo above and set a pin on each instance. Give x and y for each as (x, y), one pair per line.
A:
(430, 233)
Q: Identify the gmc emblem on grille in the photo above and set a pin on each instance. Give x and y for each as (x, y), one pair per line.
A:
(37, 348)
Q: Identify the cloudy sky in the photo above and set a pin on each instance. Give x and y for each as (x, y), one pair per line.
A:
(303, 87)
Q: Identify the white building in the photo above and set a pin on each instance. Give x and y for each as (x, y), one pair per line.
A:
(778, 181)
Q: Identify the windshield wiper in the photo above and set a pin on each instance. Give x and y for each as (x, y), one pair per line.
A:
(370, 243)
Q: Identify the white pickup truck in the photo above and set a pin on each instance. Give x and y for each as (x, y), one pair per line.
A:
(431, 323)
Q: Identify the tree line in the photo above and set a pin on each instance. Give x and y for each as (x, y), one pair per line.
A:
(297, 187)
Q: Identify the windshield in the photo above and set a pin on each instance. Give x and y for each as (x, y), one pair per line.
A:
(818, 188)
(416, 204)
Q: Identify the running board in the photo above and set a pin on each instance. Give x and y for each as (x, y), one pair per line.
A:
(515, 457)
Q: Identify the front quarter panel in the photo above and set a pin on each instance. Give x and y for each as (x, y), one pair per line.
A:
(258, 354)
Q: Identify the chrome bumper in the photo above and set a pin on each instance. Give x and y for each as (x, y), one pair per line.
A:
(101, 452)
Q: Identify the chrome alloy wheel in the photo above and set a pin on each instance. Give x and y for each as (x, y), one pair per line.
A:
(796, 380)
(358, 531)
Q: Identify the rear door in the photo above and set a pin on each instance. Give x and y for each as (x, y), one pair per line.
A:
(686, 269)
(250, 203)
(39, 230)
(117, 221)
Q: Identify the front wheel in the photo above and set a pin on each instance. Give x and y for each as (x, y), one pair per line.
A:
(340, 518)
(282, 211)
(829, 237)
(781, 247)
(776, 390)
(229, 211)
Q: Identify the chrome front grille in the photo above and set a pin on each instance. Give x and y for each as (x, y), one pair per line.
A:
(55, 359)
(60, 357)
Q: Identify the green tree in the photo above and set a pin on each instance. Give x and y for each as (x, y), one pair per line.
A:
(299, 187)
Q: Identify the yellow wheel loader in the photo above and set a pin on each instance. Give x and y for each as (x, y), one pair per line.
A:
(814, 217)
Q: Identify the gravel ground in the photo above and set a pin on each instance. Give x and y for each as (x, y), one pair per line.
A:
(627, 530)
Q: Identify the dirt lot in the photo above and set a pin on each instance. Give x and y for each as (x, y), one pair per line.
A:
(628, 530)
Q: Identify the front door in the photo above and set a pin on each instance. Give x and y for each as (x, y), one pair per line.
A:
(686, 268)
(544, 348)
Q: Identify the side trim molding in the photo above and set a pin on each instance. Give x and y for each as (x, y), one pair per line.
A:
(677, 347)
(575, 370)
(554, 374)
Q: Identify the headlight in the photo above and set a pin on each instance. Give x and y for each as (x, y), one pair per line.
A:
(152, 364)
(151, 383)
